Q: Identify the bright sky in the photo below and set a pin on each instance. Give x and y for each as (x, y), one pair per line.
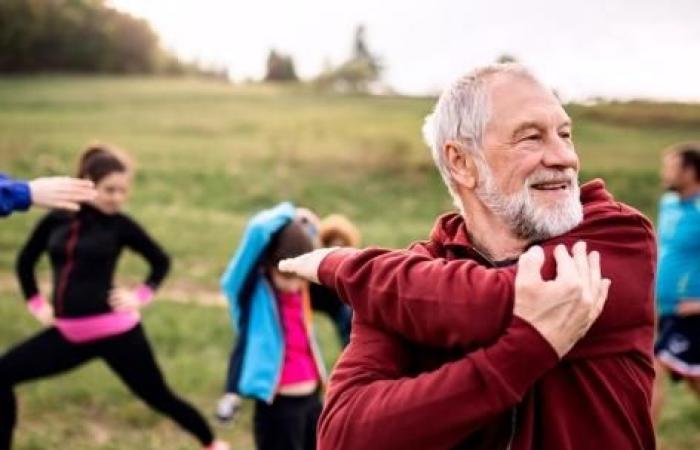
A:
(611, 48)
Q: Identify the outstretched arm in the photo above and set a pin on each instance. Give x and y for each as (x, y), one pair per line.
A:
(463, 304)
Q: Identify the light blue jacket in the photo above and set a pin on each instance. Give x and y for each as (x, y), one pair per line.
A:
(253, 306)
(678, 274)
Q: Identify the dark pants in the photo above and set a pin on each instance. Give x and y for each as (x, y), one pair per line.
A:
(327, 301)
(129, 355)
(289, 423)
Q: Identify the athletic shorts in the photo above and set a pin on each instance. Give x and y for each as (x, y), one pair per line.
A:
(678, 345)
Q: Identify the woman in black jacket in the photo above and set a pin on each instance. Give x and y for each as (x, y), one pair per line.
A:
(87, 317)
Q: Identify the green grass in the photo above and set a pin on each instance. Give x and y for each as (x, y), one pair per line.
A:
(209, 155)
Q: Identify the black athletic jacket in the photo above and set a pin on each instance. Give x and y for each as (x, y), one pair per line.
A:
(83, 249)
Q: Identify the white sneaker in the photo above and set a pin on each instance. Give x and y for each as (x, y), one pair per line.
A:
(227, 407)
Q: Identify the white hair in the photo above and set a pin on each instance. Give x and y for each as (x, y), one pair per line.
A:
(461, 114)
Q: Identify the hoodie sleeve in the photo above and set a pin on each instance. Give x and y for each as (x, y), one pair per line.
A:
(430, 301)
(372, 404)
(136, 238)
(14, 196)
(435, 302)
(29, 255)
(256, 237)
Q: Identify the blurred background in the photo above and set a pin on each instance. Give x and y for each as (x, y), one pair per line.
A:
(230, 107)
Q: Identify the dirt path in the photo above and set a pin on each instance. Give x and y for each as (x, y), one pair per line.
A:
(175, 291)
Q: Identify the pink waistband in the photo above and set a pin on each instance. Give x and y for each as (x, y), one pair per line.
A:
(91, 328)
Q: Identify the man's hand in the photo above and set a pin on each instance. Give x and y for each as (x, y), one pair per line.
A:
(563, 309)
(305, 266)
(688, 307)
(121, 299)
(61, 192)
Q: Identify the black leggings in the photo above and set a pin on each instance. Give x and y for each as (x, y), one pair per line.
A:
(289, 423)
(129, 355)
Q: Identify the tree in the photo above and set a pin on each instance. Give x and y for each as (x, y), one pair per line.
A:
(80, 36)
(506, 58)
(357, 73)
(280, 67)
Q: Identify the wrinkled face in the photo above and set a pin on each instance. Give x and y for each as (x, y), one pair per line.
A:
(671, 172)
(112, 192)
(529, 173)
(285, 282)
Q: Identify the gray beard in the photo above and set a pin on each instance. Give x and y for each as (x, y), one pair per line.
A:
(527, 220)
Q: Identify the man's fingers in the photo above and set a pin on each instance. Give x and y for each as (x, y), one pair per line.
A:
(530, 264)
(581, 260)
(594, 272)
(289, 265)
(307, 265)
(566, 269)
(302, 266)
(602, 296)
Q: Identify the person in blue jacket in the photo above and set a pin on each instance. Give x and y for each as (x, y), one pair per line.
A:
(677, 347)
(49, 192)
(276, 360)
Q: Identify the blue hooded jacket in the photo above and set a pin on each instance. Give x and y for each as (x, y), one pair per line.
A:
(256, 364)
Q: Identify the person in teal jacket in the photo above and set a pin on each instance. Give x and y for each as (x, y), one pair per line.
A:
(677, 347)
(275, 360)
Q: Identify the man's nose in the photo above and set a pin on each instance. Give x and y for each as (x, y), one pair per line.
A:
(560, 153)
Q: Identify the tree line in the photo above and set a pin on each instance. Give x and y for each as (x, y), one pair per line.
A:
(81, 36)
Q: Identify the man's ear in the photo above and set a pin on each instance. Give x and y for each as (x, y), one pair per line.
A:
(461, 165)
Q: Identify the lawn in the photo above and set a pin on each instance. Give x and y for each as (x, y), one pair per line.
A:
(211, 154)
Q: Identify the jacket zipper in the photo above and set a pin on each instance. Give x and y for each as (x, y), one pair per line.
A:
(514, 411)
(65, 273)
(513, 419)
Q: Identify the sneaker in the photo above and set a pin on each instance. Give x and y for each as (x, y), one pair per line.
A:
(218, 445)
(227, 408)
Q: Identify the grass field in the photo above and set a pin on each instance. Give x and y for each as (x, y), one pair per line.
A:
(209, 155)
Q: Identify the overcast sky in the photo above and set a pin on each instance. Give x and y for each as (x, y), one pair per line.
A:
(611, 48)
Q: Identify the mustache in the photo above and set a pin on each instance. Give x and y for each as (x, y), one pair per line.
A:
(567, 175)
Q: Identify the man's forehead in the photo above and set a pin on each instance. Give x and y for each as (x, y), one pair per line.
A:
(516, 99)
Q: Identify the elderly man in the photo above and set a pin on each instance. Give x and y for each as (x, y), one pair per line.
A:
(442, 352)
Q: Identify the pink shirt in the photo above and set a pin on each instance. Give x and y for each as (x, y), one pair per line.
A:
(299, 364)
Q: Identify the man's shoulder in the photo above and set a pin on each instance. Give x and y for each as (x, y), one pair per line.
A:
(601, 215)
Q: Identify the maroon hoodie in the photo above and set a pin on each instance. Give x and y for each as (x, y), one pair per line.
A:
(437, 360)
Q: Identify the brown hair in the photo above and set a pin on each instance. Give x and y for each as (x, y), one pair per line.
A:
(337, 226)
(291, 241)
(99, 160)
(689, 154)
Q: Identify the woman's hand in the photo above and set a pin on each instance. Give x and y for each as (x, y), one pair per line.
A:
(41, 310)
(121, 299)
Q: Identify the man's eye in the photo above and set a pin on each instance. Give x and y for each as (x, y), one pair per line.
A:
(531, 137)
(565, 135)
